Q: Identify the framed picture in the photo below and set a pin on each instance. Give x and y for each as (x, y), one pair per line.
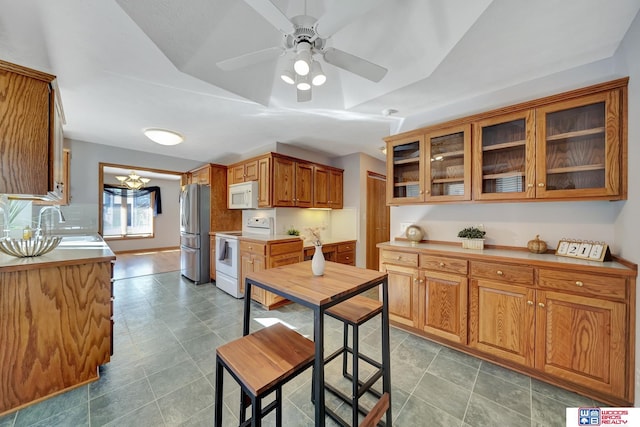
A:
(594, 251)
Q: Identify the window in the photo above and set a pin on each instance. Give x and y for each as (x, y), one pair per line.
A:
(127, 213)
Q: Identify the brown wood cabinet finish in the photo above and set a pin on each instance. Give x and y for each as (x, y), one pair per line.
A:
(285, 181)
(256, 256)
(56, 327)
(569, 146)
(567, 324)
(27, 131)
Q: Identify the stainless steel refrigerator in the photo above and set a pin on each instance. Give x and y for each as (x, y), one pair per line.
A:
(194, 232)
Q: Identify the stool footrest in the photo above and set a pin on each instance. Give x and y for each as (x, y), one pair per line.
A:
(347, 400)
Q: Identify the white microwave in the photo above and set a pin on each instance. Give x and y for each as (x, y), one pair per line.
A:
(243, 195)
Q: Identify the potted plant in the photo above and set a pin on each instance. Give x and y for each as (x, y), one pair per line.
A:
(472, 237)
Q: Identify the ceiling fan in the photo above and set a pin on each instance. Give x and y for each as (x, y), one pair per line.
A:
(305, 40)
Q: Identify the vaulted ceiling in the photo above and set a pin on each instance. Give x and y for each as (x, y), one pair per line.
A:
(126, 65)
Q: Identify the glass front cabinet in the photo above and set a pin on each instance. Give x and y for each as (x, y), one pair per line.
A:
(578, 147)
(504, 156)
(405, 170)
(448, 164)
(570, 146)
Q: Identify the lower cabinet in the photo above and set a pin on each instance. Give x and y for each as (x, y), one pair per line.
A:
(567, 324)
(341, 252)
(257, 256)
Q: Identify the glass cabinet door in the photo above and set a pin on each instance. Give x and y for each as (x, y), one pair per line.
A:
(448, 164)
(578, 147)
(504, 157)
(405, 170)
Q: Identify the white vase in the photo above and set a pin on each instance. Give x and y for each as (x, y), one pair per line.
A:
(317, 262)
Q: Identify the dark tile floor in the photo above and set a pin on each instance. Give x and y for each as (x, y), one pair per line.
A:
(162, 372)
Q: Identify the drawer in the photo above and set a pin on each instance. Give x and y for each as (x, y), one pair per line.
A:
(346, 247)
(440, 263)
(399, 258)
(346, 258)
(503, 272)
(253, 247)
(285, 248)
(580, 283)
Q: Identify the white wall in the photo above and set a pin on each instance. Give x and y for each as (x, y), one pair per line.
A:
(626, 224)
(512, 224)
(82, 212)
(355, 194)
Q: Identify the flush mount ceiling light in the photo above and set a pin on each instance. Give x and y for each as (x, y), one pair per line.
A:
(133, 181)
(163, 136)
(304, 43)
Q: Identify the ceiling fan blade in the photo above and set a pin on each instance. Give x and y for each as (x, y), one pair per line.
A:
(271, 13)
(354, 64)
(249, 58)
(304, 95)
(341, 14)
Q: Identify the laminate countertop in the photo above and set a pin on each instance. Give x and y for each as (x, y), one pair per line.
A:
(505, 255)
(73, 249)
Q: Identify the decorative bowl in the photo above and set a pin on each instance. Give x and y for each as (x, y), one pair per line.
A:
(35, 246)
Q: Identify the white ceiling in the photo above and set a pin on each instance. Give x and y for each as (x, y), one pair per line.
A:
(118, 64)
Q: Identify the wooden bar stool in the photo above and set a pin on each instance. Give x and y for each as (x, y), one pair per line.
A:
(262, 362)
(355, 311)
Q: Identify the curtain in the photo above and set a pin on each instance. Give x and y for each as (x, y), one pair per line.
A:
(125, 192)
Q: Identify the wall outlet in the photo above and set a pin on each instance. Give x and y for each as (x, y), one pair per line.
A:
(403, 226)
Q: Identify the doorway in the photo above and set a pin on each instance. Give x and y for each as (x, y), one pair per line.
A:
(378, 217)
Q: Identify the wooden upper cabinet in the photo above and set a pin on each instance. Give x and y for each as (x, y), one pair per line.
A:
(243, 172)
(327, 187)
(563, 147)
(448, 164)
(264, 182)
(578, 147)
(200, 175)
(336, 189)
(504, 157)
(30, 132)
(405, 170)
(303, 184)
(284, 182)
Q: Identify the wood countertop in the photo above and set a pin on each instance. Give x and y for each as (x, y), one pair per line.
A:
(72, 250)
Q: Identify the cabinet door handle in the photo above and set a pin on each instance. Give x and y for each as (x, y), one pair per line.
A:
(426, 191)
(249, 262)
(499, 273)
(529, 185)
(579, 283)
(442, 264)
(541, 304)
(541, 184)
(530, 302)
(399, 258)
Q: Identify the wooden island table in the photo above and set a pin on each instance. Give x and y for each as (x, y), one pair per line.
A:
(340, 282)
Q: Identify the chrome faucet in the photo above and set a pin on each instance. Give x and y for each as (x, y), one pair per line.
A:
(6, 221)
(61, 218)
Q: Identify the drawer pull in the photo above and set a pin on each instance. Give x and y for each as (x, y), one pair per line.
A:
(530, 302)
(541, 184)
(541, 304)
(442, 264)
(399, 258)
(499, 273)
(579, 284)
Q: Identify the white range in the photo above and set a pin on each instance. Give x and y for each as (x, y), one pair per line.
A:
(228, 253)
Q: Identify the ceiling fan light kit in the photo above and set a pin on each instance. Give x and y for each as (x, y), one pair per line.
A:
(303, 44)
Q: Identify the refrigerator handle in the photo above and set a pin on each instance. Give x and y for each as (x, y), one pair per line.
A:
(187, 210)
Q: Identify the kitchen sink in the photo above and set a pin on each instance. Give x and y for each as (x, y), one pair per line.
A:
(81, 240)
